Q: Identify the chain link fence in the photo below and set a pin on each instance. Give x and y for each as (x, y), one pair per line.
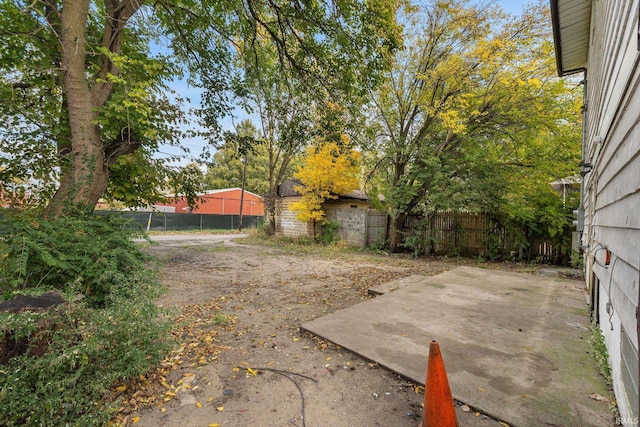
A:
(163, 221)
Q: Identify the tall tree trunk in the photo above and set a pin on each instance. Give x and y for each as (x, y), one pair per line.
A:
(271, 211)
(395, 233)
(84, 171)
(85, 161)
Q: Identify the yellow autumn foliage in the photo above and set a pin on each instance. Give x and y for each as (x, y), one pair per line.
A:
(326, 173)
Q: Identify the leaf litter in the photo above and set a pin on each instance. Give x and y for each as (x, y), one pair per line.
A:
(197, 336)
(268, 302)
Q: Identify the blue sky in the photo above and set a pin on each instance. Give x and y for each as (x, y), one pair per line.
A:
(514, 7)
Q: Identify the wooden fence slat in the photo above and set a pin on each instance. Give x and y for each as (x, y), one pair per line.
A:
(376, 227)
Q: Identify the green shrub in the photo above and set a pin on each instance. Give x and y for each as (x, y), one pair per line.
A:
(329, 232)
(416, 243)
(93, 257)
(74, 352)
(380, 245)
(87, 350)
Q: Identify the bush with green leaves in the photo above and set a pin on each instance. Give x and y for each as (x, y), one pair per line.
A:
(76, 351)
(329, 232)
(89, 256)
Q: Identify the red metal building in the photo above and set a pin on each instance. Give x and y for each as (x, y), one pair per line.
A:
(225, 201)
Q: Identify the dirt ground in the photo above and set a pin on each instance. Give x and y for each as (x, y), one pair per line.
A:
(243, 360)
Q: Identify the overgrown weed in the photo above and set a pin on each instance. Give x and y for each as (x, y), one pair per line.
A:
(109, 330)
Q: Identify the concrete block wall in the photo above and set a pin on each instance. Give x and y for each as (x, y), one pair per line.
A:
(353, 224)
(288, 225)
(351, 215)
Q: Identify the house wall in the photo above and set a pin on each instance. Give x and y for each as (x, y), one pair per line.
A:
(347, 204)
(611, 191)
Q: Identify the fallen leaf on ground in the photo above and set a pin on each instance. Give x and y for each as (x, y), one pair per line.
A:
(598, 397)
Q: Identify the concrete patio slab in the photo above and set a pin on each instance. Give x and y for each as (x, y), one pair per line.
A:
(515, 346)
(394, 285)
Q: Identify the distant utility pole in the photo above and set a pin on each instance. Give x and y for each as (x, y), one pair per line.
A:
(244, 180)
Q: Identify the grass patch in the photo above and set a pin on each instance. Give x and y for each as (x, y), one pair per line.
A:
(302, 246)
(221, 319)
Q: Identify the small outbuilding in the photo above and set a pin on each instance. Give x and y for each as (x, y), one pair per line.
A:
(359, 224)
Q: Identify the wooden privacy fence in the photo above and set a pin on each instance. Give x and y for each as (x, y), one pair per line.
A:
(376, 228)
(459, 233)
(477, 234)
(545, 251)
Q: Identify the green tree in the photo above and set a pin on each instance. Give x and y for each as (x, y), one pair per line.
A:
(292, 109)
(226, 168)
(71, 105)
(286, 123)
(286, 112)
(471, 106)
(87, 90)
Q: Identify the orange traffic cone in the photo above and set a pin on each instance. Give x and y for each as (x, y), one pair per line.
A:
(439, 409)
